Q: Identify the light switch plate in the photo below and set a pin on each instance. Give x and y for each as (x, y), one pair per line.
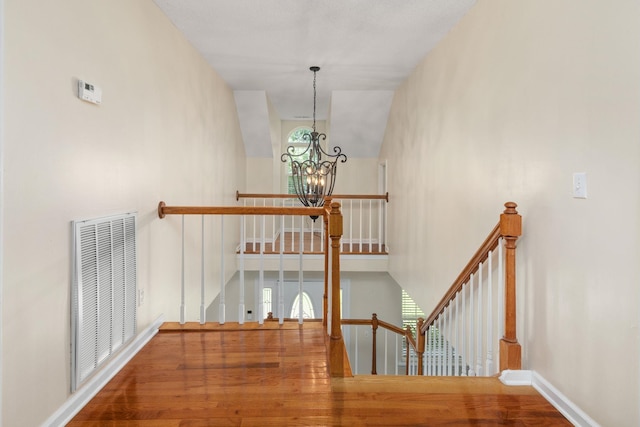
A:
(580, 185)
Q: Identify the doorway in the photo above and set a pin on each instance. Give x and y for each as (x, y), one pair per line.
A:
(310, 300)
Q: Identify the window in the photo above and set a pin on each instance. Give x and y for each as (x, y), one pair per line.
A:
(307, 307)
(410, 311)
(299, 144)
(266, 301)
(410, 314)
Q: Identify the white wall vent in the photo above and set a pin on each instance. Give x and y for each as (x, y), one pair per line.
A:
(103, 292)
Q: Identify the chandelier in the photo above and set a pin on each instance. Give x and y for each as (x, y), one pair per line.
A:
(313, 171)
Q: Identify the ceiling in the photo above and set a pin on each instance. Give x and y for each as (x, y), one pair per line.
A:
(263, 50)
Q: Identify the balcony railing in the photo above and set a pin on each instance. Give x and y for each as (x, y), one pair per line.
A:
(332, 231)
(364, 226)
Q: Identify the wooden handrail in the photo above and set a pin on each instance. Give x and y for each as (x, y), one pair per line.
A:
(381, 323)
(384, 197)
(489, 244)
(164, 210)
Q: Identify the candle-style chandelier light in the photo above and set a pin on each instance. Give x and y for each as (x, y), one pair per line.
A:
(313, 171)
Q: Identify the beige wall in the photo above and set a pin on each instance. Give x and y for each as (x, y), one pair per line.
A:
(167, 129)
(518, 97)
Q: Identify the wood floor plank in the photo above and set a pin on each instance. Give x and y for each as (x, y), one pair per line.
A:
(277, 376)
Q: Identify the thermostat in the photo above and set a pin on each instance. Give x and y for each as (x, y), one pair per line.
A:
(89, 92)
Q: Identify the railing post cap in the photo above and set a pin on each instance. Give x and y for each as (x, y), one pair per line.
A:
(510, 221)
(161, 206)
(510, 208)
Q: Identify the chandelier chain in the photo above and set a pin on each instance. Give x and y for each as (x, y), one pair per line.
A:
(314, 100)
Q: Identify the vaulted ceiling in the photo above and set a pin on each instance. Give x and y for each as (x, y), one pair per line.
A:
(263, 49)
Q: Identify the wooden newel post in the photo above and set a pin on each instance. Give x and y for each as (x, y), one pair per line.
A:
(336, 344)
(421, 345)
(374, 329)
(325, 298)
(510, 229)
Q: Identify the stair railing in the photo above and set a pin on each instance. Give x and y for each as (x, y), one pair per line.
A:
(332, 220)
(459, 334)
(405, 343)
(365, 228)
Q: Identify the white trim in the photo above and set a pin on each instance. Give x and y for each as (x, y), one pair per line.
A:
(82, 396)
(2, 50)
(509, 377)
(566, 407)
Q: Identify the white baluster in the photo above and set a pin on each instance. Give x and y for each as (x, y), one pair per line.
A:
(500, 295)
(300, 274)
(360, 225)
(261, 313)
(202, 308)
(183, 308)
(439, 354)
(396, 353)
(312, 229)
(480, 324)
(456, 365)
(449, 350)
(380, 236)
(281, 275)
(386, 347)
(254, 227)
(472, 329)
(322, 236)
(489, 362)
(443, 335)
(464, 330)
(241, 306)
(370, 224)
(222, 308)
(273, 227)
(350, 225)
(293, 227)
(434, 349)
(386, 228)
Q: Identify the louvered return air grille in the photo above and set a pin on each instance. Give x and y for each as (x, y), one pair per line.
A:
(103, 292)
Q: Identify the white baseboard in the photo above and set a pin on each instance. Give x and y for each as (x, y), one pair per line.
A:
(566, 407)
(82, 396)
(521, 377)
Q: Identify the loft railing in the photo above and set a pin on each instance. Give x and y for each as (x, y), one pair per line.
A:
(398, 346)
(332, 221)
(364, 225)
(459, 335)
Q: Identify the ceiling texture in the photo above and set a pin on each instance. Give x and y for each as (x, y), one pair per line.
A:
(263, 50)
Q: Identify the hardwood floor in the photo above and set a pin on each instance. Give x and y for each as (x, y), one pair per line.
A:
(276, 375)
